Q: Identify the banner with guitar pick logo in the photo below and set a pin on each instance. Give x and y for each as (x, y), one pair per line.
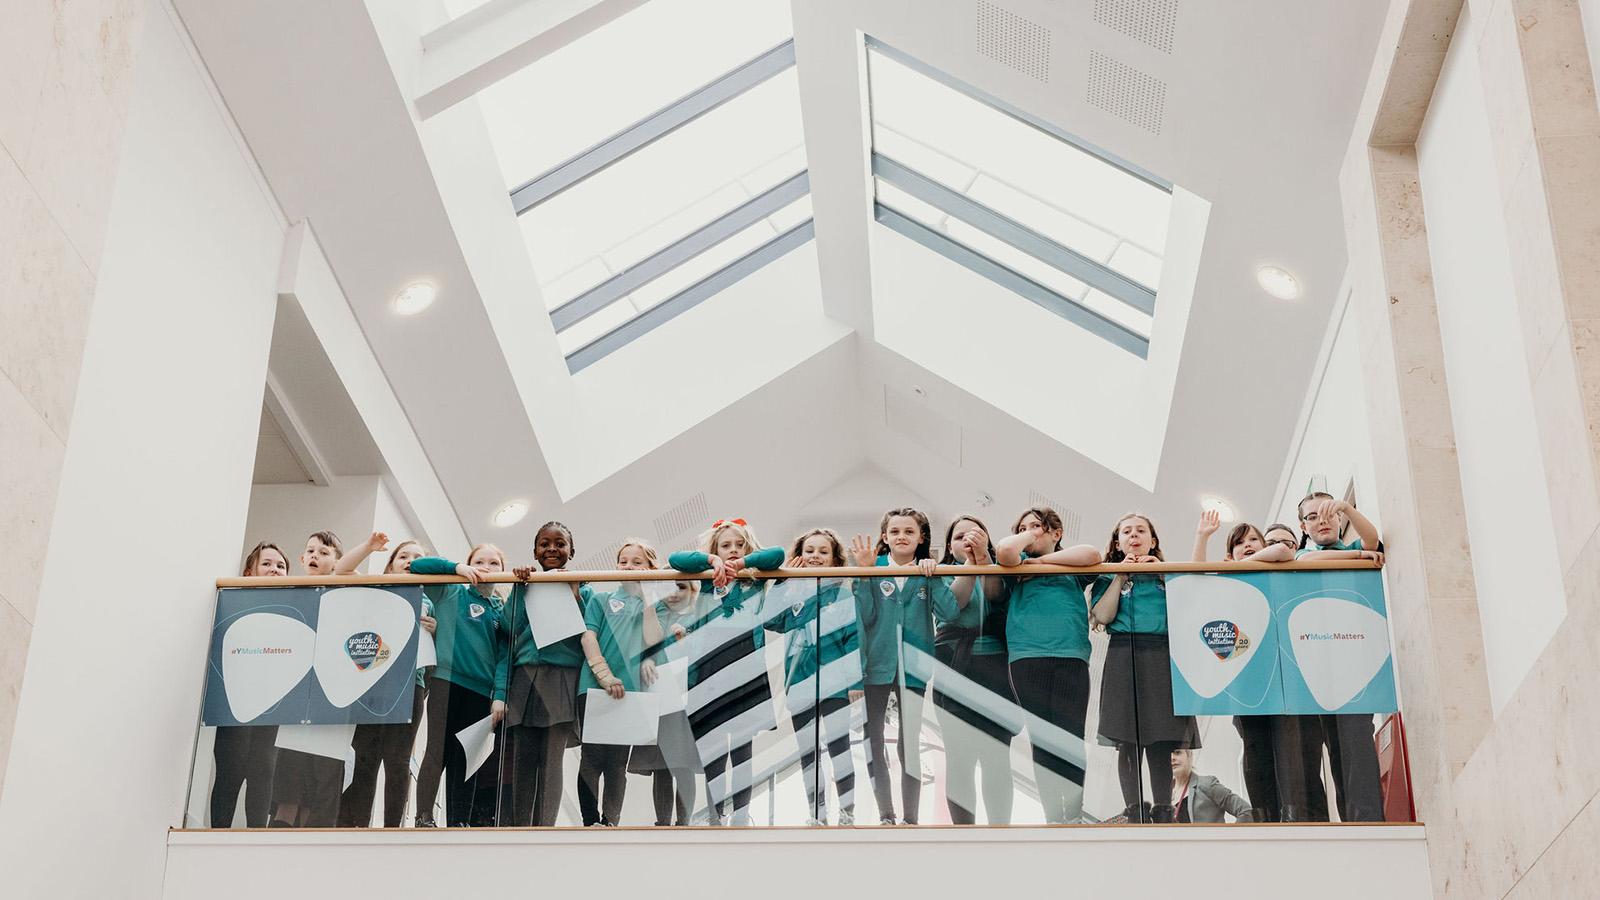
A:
(313, 656)
(1272, 643)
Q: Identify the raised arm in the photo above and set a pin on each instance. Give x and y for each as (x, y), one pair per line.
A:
(352, 560)
(1210, 521)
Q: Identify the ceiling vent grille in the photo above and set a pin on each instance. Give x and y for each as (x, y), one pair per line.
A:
(1126, 92)
(1071, 522)
(1151, 22)
(604, 561)
(681, 518)
(1022, 44)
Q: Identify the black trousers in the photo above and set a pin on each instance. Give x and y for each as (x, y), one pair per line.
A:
(877, 696)
(538, 755)
(451, 708)
(245, 756)
(305, 790)
(1056, 691)
(1283, 767)
(389, 746)
(1355, 767)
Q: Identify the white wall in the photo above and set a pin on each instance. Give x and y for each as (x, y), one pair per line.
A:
(1193, 862)
(1335, 443)
(153, 495)
(1514, 561)
(288, 513)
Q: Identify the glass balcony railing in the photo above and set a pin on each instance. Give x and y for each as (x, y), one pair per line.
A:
(844, 696)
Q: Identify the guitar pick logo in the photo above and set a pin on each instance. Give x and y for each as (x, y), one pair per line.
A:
(476, 609)
(1224, 639)
(366, 649)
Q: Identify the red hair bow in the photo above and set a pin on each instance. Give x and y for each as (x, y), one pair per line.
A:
(738, 522)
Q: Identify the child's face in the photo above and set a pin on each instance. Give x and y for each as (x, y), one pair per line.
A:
(552, 549)
(1282, 536)
(1248, 546)
(318, 558)
(816, 551)
(684, 595)
(270, 562)
(402, 559)
(632, 559)
(959, 537)
(1324, 529)
(729, 544)
(1044, 540)
(486, 560)
(1134, 538)
(902, 534)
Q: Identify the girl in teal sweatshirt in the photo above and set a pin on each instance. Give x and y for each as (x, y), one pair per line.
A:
(463, 689)
(730, 700)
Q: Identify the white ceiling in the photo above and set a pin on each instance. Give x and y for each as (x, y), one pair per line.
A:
(1260, 96)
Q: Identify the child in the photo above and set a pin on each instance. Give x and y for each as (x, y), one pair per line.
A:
(1349, 737)
(972, 644)
(619, 625)
(1136, 687)
(387, 745)
(730, 699)
(893, 610)
(1245, 541)
(306, 787)
(542, 704)
(464, 688)
(822, 669)
(245, 755)
(1047, 645)
(673, 762)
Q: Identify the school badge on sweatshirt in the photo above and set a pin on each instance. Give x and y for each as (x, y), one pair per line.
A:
(799, 605)
(616, 605)
(476, 609)
(886, 588)
(1224, 638)
(366, 649)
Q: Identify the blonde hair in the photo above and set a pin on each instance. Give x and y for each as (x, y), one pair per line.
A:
(708, 539)
(644, 547)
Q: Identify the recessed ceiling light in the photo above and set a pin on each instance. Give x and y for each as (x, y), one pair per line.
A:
(511, 514)
(1219, 506)
(414, 299)
(1278, 282)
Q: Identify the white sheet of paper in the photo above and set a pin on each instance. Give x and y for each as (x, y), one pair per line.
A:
(477, 740)
(332, 741)
(552, 613)
(427, 653)
(629, 722)
(672, 685)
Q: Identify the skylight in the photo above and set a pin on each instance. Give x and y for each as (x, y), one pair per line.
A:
(1016, 199)
(653, 162)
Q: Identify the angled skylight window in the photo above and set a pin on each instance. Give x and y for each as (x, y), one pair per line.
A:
(654, 162)
(1016, 199)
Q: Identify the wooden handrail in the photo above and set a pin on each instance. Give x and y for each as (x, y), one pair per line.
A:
(1168, 568)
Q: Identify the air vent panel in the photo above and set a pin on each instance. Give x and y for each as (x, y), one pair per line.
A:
(1071, 522)
(1150, 22)
(683, 517)
(1008, 38)
(1126, 92)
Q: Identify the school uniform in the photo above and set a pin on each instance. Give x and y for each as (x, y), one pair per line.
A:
(822, 665)
(617, 621)
(1136, 689)
(541, 691)
(895, 611)
(389, 746)
(673, 762)
(1351, 749)
(972, 644)
(730, 699)
(1047, 647)
(245, 756)
(473, 658)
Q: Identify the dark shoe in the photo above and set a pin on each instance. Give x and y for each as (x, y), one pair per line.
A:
(1163, 814)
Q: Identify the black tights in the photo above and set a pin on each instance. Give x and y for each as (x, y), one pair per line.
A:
(908, 741)
(603, 768)
(451, 708)
(245, 756)
(389, 746)
(537, 757)
(669, 790)
(1158, 757)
